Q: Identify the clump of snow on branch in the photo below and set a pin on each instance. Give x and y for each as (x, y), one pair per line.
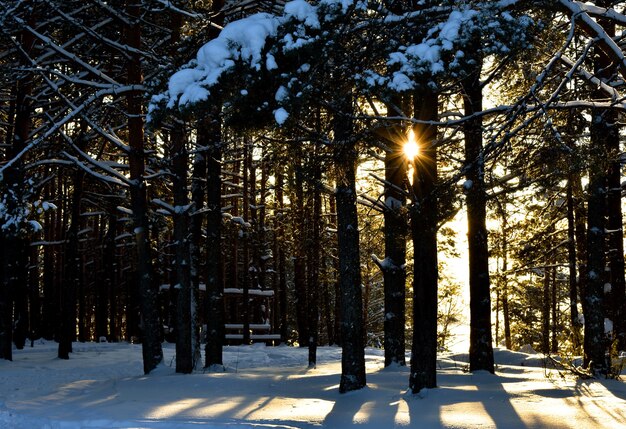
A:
(247, 42)
(262, 49)
(443, 48)
(18, 216)
(241, 40)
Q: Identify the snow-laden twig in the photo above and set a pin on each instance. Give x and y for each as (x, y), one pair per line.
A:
(581, 11)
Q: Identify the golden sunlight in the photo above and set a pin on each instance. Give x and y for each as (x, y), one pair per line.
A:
(411, 148)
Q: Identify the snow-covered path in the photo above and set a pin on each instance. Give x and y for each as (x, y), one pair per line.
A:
(101, 386)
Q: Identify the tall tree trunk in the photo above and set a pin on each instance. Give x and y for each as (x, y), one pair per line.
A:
(67, 330)
(328, 310)
(280, 256)
(481, 348)
(214, 283)
(299, 262)
(353, 355)
(394, 272)
(187, 333)
(603, 132)
(110, 275)
(247, 161)
(580, 232)
(617, 295)
(20, 297)
(314, 267)
(506, 316)
(13, 281)
(184, 311)
(197, 198)
(554, 348)
(594, 341)
(545, 311)
(151, 342)
(571, 258)
(6, 306)
(34, 299)
(332, 203)
(49, 307)
(424, 216)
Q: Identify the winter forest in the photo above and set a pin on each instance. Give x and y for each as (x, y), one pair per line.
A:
(338, 177)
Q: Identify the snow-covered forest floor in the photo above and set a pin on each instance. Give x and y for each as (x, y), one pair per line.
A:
(102, 386)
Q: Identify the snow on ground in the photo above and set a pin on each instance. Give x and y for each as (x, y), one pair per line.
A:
(102, 386)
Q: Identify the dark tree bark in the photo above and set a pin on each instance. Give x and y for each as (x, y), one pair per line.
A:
(481, 348)
(545, 312)
(580, 232)
(353, 355)
(328, 310)
(603, 133)
(554, 346)
(594, 342)
(281, 259)
(20, 295)
(33, 295)
(336, 285)
(506, 315)
(14, 256)
(571, 258)
(299, 262)
(83, 319)
(247, 167)
(110, 275)
(214, 283)
(394, 273)
(314, 267)
(6, 307)
(49, 306)
(151, 341)
(197, 198)
(615, 242)
(184, 301)
(424, 216)
(67, 329)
